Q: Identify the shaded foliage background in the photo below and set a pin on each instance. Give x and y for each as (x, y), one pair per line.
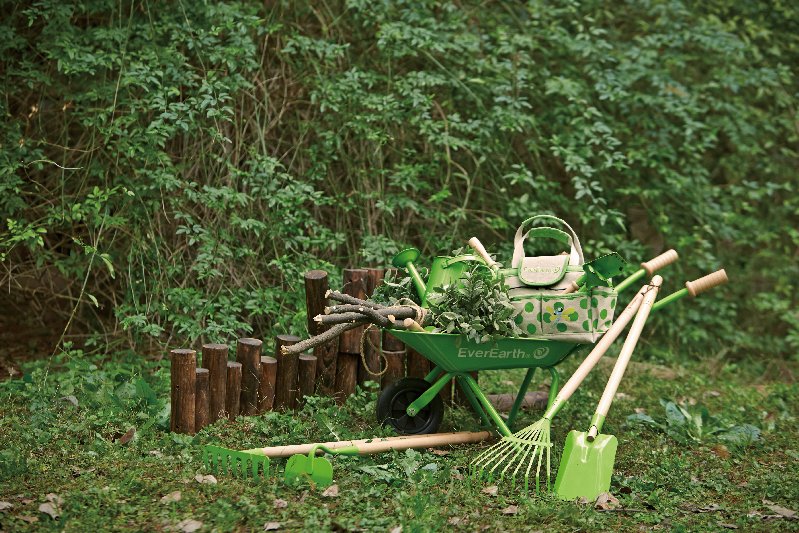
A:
(169, 170)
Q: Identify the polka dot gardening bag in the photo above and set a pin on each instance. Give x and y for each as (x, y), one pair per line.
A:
(538, 284)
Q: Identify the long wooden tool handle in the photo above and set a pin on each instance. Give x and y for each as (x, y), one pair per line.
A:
(624, 357)
(478, 247)
(596, 354)
(698, 286)
(385, 444)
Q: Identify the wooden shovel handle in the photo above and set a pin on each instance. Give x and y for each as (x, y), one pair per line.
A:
(385, 444)
(626, 351)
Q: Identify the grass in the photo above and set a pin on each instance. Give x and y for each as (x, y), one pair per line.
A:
(50, 446)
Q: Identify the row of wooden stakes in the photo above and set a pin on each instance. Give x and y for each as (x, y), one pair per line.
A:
(256, 383)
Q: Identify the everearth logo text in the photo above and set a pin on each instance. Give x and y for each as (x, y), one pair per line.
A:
(496, 353)
(548, 270)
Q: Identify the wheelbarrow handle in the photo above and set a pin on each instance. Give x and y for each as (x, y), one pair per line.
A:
(648, 268)
(694, 288)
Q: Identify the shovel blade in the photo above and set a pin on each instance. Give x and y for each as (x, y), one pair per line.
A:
(317, 469)
(585, 467)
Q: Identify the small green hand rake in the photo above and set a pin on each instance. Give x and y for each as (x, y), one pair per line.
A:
(525, 449)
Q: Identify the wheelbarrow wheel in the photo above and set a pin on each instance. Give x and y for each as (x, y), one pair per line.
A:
(395, 399)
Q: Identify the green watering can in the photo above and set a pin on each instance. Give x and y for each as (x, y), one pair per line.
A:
(444, 270)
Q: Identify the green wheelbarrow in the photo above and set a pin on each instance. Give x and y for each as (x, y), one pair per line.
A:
(412, 406)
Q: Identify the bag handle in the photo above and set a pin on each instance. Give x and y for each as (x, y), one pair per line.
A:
(575, 255)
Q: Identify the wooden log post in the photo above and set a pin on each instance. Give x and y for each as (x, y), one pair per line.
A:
(371, 348)
(390, 342)
(215, 360)
(355, 282)
(266, 396)
(395, 368)
(286, 380)
(316, 286)
(248, 353)
(233, 390)
(183, 382)
(306, 373)
(202, 414)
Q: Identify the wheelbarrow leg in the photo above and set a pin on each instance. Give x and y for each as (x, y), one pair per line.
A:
(427, 396)
(520, 397)
(475, 403)
(489, 409)
(554, 387)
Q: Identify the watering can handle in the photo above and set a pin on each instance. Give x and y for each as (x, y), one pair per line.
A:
(478, 247)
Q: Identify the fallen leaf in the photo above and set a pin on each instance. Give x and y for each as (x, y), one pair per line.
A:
(172, 497)
(491, 491)
(156, 453)
(454, 520)
(721, 451)
(49, 509)
(455, 474)
(55, 499)
(71, 399)
(727, 526)
(189, 525)
(606, 501)
(4, 506)
(331, 491)
(441, 453)
(583, 500)
(280, 504)
(205, 480)
(510, 509)
(76, 471)
(712, 393)
(397, 529)
(127, 437)
(271, 526)
(639, 410)
(782, 511)
(28, 519)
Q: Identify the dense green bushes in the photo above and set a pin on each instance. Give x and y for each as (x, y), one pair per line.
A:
(179, 165)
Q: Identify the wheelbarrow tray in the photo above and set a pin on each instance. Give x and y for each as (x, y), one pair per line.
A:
(456, 353)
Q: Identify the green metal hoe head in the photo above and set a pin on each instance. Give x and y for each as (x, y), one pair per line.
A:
(311, 468)
(585, 467)
(242, 464)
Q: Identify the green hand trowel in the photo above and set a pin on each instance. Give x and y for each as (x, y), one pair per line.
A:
(316, 469)
(598, 272)
(588, 457)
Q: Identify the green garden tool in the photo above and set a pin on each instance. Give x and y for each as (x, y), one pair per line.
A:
(516, 454)
(316, 469)
(588, 457)
(598, 272)
(246, 463)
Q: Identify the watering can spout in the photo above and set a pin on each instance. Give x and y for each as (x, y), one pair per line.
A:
(405, 260)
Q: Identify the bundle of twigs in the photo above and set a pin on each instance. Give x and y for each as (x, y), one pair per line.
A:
(352, 312)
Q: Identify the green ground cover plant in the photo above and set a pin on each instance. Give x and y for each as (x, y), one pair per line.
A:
(168, 171)
(84, 445)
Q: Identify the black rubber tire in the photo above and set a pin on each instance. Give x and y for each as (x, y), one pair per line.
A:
(393, 401)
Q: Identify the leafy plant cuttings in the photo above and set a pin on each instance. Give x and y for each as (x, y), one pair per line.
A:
(478, 307)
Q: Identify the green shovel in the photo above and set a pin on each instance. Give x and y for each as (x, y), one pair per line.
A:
(588, 457)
